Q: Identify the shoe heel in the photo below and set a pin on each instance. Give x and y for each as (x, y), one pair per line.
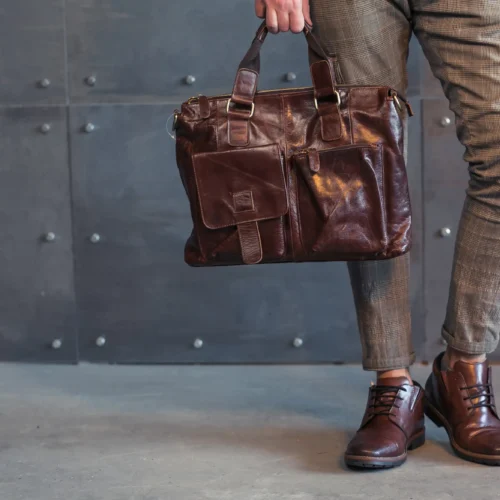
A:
(429, 412)
(417, 442)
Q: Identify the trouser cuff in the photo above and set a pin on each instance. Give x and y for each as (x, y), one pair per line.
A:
(389, 364)
(468, 347)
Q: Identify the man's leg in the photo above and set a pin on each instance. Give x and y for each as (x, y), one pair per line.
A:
(371, 42)
(462, 43)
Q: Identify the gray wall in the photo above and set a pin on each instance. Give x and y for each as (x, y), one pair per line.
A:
(95, 220)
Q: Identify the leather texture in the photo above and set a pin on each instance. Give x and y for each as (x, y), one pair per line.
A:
(324, 165)
(392, 424)
(462, 401)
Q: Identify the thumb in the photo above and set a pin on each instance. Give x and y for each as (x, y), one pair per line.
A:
(306, 11)
(260, 8)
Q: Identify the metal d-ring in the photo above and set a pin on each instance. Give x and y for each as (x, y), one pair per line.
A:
(337, 103)
(251, 111)
(174, 123)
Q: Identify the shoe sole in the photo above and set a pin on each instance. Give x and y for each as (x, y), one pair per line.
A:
(438, 418)
(361, 462)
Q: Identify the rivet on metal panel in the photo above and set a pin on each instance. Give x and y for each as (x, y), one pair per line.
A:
(445, 232)
(45, 128)
(298, 342)
(190, 79)
(100, 341)
(95, 238)
(44, 83)
(91, 80)
(88, 128)
(56, 344)
(50, 237)
(290, 76)
(445, 121)
(198, 344)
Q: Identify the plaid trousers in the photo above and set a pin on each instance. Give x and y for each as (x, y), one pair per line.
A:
(461, 40)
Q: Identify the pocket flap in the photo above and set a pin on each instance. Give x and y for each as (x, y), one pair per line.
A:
(241, 185)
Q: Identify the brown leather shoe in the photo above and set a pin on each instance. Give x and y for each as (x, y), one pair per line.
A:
(393, 423)
(461, 400)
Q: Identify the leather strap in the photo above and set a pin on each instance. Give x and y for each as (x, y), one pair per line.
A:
(245, 86)
(204, 106)
(243, 94)
(323, 77)
(314, 162)
(248, 232)
(238, 127)
(251, 245)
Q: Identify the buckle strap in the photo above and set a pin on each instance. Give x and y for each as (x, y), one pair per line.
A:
(248, 232)
(250, 242)
(323, 78)
(243, 94)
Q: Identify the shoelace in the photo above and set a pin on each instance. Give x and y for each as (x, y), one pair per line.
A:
(385, 397)
(483, 391)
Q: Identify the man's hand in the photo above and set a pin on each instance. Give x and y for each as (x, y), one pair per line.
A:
(284, 15)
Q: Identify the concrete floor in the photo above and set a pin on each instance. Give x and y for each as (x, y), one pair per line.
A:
(206, 433)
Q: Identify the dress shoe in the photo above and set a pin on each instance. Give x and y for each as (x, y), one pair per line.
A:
(393, 424)
(461, 400)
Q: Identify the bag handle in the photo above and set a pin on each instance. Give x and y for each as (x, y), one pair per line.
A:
(252, 57)
(240, 106)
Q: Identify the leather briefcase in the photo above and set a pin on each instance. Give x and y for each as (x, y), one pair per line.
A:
(294, 175)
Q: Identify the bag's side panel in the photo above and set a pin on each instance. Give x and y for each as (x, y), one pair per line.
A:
(194, 134)
(374, 118)
(397, 203)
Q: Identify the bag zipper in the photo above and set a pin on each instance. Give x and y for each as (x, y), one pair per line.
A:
(392, 93)
(306, 151)
(313, 154)
(286, 89)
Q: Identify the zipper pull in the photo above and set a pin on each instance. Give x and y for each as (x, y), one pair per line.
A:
(397, 98)
(204, 105)
(407, 104)
(410, 109)
(312, 157)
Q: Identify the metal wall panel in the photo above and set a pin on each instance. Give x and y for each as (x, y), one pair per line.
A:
(136, 297)
(32, 59)
(445, 180)
(414, 68)
(144, 51)
(134, 289)
(36, 271)
(147, 52)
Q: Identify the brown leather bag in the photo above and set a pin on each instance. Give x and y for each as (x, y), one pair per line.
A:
(294, 175)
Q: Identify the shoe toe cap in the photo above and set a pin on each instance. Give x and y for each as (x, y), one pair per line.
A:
(486, 442)
(365, 445)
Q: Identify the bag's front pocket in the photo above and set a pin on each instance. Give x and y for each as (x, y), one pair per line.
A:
(242, 201)
(341, 202)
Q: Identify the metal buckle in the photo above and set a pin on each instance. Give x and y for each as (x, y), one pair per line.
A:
(251, 111)
(338, 99)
